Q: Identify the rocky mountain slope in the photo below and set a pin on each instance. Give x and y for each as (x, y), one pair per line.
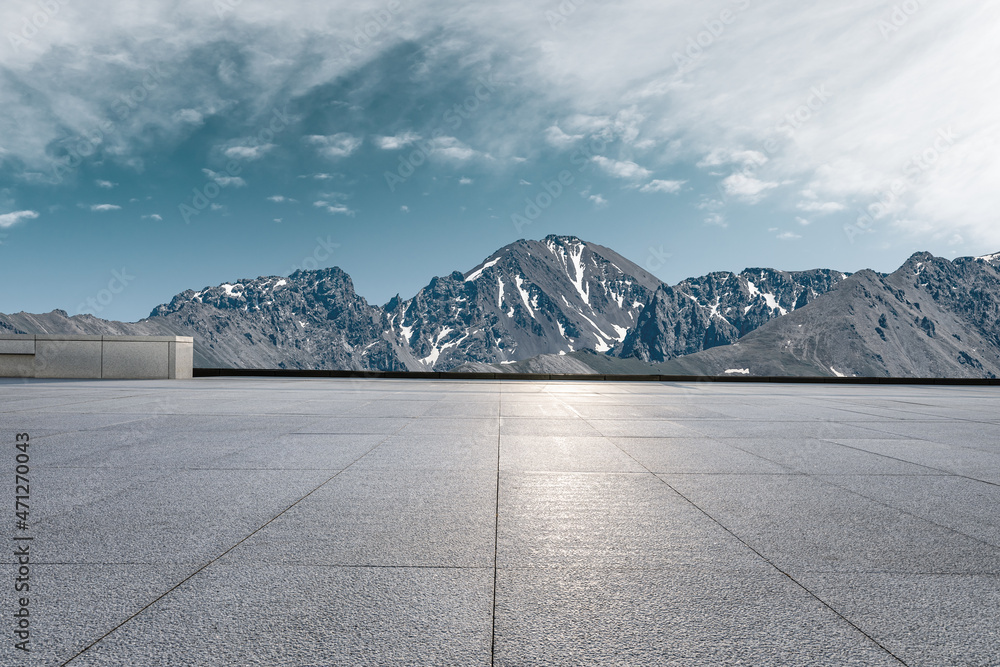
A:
(719, 309)
(311, 319)
(930, 318)
(529, 298)
(563, 303)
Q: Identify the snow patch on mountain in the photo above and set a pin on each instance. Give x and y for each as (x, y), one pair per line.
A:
(478, 272)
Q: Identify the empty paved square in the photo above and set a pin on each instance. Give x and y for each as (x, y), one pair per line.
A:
(410, 522)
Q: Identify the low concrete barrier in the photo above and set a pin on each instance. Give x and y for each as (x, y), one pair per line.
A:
(95, 357)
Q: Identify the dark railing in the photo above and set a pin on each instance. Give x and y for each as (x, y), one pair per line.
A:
(394, 375)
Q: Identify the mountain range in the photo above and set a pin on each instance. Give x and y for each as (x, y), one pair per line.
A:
(565, 305)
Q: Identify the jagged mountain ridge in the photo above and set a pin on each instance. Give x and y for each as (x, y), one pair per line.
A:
(558, 296)
(930, 318)
(719, 309)
(529, 298)
(311, 319)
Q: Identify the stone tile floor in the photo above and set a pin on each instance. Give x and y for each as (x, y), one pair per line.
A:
(350, 522)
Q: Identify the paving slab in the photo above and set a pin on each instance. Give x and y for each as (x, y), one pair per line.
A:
(802, 524)
(386, 518)
(283, 521)
(267, 615)
(678, 616)
(926, 619)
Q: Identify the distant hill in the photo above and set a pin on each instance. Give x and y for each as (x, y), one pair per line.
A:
(564, 303)
(930, 318)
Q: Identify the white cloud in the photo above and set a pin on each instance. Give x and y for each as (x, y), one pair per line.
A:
(453, 149)
(223, 179)
(788, 236)
(102, 208)
(726, 156)
(248, 153)
(404, 209)
(335, 146)
(821, 207)
(556, 137)
(107, 185)
(192, 116)
(670, 187)
(334, 208)
(333, 203)
(598, 200)
(396, 142)
(621, 168)
(746, 187)
(523, 182)
(716, 220)
(11, 219)
(465, 181)
(154, 216)
(803, 222)
(884, 104)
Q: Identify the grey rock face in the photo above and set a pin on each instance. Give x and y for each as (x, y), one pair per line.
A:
(930, 318)
(719, 309)
(562, 303)
(529, 298)
(311, 319)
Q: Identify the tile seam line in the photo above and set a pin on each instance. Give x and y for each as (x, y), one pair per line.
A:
(221, 555)
(759, 554)
(364, 566)
(907, 437)
(496, 529)
(559, 568)
(949, 529)
(822, 479)
(941, 472)
(787, 575)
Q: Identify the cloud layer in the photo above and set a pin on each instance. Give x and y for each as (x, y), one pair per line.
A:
(845, 109)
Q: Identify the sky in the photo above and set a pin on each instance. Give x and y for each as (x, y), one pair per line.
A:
(148, 148)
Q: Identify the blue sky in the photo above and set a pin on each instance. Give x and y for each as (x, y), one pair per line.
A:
(172, 145)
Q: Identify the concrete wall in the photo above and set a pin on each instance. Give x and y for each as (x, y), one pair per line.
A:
(92, 357)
